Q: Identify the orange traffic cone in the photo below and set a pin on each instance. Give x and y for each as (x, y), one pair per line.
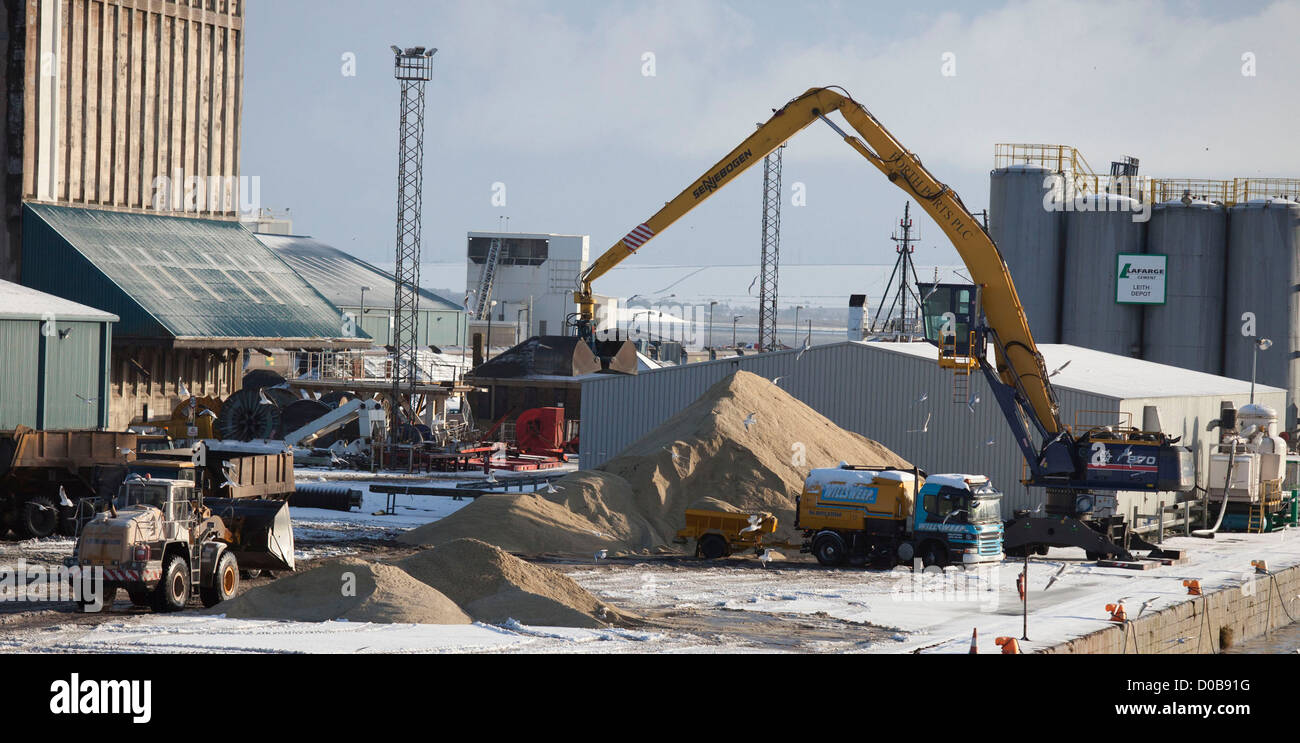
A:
(974, 641)
(1193, 587)
(1117, 613)
(1009, 645)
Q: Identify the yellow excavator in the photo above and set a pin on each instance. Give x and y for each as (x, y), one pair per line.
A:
(963, 320)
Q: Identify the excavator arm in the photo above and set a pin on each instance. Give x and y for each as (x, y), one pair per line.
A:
(1019, 364)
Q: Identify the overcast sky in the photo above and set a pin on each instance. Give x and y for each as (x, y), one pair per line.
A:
(550, 99)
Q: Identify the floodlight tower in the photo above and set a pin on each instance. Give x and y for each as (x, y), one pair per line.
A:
(771, 251)
(413, 67)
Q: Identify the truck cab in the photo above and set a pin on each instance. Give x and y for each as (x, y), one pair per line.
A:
(961, 514)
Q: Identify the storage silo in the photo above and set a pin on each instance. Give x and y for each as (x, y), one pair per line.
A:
(1029, 236)
(1187, 331)
(1098, 228)
(1263, 269)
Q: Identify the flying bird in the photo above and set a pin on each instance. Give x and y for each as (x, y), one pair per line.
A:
(807, 343)
(973, 402)
(65, 333)
(261, 393)
(777, 380)
(767, 556)
(924, 396)
(1054, 578)
(88, 400)
(601, 555)
(551, 489)
(63, 498)
(751, 284)
(181, 389)
(751, 420)
(125, 452)
(925, 428)
(990, 442)
(1059, 369)
(208, 413)
(755, 523)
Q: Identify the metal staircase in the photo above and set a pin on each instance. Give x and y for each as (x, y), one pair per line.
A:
(485, 280)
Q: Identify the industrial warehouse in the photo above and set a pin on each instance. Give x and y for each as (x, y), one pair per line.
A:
(900, 387)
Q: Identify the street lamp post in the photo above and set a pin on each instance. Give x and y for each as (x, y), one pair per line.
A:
(712, 304)
(796, 321)
(1263, 344)
(734, 320)
(487, 354)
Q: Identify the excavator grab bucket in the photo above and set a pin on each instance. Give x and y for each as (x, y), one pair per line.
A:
(263, 534)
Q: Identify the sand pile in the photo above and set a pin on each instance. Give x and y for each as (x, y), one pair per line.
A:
(381, 593)
(745, 445)
(494, 586)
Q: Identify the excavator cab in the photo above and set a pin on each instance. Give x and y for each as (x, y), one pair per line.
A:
(950, 313)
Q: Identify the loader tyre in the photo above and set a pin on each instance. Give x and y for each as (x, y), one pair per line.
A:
(247, 574)
(225, 582)
(713, 547)
(173, 591)
(39, 517)
(829, 549)
(86, 607)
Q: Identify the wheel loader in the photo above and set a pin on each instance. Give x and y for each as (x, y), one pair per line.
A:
(161, 541)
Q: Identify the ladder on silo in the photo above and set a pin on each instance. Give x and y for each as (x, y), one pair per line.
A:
(486, 278)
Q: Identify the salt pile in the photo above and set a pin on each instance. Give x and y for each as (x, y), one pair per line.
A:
(349, 589)
(746, 445)
(494, 587)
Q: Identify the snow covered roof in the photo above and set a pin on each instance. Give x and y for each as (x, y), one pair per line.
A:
(18, 302)
(1111, 375)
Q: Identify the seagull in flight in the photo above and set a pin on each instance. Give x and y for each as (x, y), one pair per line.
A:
(63, 498)
(751, 420)
(807, 343)
(1059, 369)
(924, 396)
(925, 428)
(181, 389)
(973, 402)
(551, 489)
(755, 523)
(601, 555)
(88, 400)
(261, 393)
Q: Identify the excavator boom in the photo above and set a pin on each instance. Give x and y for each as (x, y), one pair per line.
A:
(1019, 364)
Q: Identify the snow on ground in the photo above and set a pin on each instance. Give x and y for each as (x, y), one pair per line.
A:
(937, 612)
(205, 634)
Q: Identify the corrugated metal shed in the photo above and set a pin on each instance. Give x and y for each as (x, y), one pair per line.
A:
(56, 355)
(194, 281)
(339, 277)
(875, 389)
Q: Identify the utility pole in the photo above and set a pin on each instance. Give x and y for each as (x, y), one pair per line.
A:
(413, 68)
(902, 268)
(771, 255)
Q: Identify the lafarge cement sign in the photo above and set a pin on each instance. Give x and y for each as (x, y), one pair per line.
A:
(1140, 279)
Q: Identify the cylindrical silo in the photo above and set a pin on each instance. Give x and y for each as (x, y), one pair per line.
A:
(1263, 270)
(1028, 232)
(1098, 228)
(1187, 331)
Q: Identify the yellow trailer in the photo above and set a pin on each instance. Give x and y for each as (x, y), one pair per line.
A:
(720, 533)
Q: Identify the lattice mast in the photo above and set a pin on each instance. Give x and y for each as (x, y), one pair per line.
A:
(413, 68)
(771, 253)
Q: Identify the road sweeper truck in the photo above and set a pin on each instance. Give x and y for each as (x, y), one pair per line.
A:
(858, 515)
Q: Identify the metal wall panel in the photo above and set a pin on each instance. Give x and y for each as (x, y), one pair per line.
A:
(19, 355)
(73, 365)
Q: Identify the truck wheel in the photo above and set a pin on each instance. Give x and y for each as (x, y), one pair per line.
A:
(139, 596)
(829, 549)
(247, 574)
(934, 553)
(225, 582)
(110, 595)
(39, 517)
(173, 591)
(712, 547)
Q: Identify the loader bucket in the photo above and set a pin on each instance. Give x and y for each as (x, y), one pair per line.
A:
(263, 535)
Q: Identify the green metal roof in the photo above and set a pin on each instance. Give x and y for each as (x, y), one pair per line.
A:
(175, 277)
